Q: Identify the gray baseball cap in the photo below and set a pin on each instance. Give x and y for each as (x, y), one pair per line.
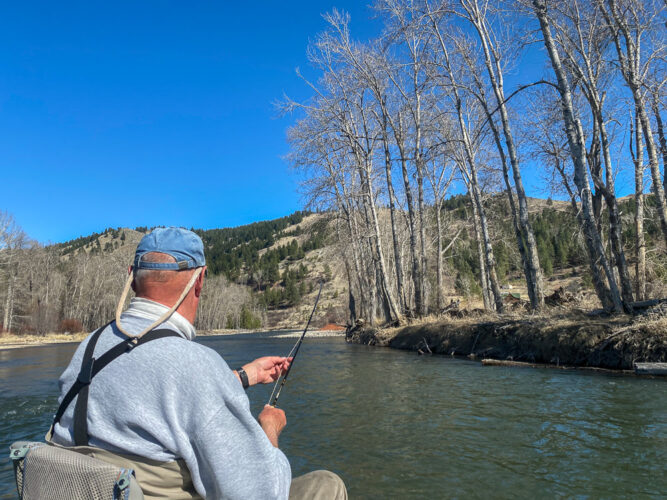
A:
(183, 245)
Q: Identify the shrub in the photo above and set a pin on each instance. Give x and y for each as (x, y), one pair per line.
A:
(248, 320)
(70, 325)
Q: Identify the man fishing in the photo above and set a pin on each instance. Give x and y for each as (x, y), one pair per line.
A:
(169, 408)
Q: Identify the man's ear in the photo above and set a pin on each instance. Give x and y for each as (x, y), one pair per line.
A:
(199, 284)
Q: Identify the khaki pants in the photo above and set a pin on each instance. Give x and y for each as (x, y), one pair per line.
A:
(318, 485)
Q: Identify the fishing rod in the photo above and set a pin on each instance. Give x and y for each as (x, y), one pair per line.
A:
(293, 352)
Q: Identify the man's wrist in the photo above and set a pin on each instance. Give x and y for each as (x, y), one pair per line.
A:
(243, 376)
(271, 433)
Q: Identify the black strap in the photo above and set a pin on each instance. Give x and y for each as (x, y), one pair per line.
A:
(91, 367)
(76, 387)
(85, 376)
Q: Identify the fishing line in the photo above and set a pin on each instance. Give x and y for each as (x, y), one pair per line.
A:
(293, 352)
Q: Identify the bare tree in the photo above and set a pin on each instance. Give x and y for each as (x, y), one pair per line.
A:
(413, 85)
(440, 175)
(465, 113)
(494, 59)
(630, 24)
(12, 240)
(583, 40)
(608, 294)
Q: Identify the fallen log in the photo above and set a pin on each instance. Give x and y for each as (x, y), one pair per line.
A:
(525, 364)
(651, 369)
(507, 362)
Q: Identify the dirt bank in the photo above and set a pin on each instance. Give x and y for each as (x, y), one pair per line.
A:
(573, 338)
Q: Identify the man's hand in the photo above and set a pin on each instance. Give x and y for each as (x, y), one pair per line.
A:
(267, 369)
(273, 421)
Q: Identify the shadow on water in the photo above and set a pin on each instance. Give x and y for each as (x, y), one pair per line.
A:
(395, 425)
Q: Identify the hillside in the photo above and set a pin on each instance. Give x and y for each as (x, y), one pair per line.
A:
(279, 262)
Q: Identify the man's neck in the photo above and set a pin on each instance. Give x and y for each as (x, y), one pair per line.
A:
(185, 309)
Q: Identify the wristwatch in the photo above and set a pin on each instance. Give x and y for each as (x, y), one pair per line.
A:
(244, 377)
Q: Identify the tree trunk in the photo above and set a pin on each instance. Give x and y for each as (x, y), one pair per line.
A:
(367, 259)
(351, 302)
(661, 137)
(438, 223)
(473, 185)
(640, 243)
(355, 238)
(477, 201)
(616, 229)
(483, 276)
(658, 188)
(388, 303)
(609, 297)
(6, 323)
(343, 200)
(416, 280)
(423, 311)
(595, 166)
(398, 263)
(488, 249)
(422, 242)
(534, 301)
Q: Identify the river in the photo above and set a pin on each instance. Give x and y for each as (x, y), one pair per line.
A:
(396, 425)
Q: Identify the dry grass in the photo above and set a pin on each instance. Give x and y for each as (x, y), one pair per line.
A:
(10, 341)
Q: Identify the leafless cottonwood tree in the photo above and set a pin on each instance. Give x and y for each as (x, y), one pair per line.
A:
(478, 90)
(414, 84)
(369, 66)
(630, 25)
(346, 125)
(608, 292)
(440, 175)
(496, 49)
(470, 120)
(583, 39)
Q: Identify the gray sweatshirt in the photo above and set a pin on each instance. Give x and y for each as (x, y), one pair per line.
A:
(172, 398)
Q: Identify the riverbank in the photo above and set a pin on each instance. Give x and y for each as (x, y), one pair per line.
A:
(11, 341)
(572, 338)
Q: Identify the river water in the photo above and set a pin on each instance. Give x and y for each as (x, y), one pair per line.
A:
(396, 425)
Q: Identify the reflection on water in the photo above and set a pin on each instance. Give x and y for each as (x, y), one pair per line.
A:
(396, 425)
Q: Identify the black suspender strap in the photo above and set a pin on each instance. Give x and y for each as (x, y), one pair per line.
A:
(90, 367)
(74, 390)
(84, 378)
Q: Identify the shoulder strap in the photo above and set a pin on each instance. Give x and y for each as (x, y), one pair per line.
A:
(85, 376)
(91, 367)
(74, 390)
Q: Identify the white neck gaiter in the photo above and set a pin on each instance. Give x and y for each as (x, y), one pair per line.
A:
(149, 309)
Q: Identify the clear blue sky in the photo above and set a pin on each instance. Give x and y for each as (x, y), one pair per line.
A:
(159, 113)
(151, 112)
